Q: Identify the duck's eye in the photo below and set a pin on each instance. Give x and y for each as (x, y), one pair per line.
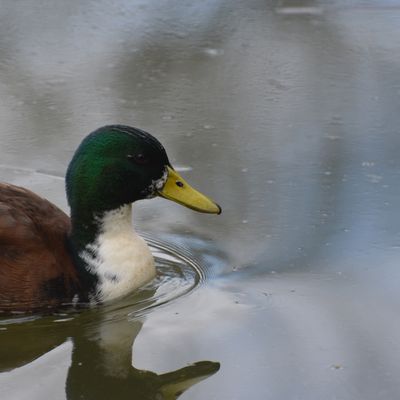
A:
(139, 158)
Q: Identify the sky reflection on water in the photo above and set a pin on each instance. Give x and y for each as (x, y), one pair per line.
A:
(285, 112)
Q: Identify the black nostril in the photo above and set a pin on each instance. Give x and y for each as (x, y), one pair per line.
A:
(179, 183)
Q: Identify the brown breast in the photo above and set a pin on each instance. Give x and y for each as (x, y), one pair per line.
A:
(36, 269)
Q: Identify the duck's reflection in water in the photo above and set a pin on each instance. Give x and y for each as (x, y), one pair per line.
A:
(101, 366)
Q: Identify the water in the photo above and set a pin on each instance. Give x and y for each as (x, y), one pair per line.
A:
(286, 113)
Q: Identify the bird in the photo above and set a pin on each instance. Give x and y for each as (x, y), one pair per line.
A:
(49, 260)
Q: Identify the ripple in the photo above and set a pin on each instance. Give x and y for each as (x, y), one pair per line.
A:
(178, 273)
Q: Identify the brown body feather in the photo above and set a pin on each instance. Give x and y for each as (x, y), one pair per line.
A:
(36, 269)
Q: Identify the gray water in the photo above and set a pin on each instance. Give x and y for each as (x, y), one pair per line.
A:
(286, 113)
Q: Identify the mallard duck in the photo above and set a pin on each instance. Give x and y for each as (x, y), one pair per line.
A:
(48, 259)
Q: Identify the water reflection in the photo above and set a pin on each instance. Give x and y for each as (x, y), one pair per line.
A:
(284, 110)
(101, 364)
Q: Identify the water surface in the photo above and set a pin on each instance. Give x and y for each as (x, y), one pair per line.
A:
(287, 113)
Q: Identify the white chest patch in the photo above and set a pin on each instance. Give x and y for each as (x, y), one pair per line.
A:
(119, 256)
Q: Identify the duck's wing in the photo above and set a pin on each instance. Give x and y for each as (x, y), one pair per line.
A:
(36, 269)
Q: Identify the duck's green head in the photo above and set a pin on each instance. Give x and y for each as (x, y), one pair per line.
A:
(117, 165)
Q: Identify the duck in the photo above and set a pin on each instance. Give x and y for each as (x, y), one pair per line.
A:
(50, 260)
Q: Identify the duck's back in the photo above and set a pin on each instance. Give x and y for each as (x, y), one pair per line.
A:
(36, 269)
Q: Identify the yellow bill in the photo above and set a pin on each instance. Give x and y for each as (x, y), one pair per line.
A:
(178, 190)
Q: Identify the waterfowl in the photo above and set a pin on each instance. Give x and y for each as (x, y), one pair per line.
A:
(48, 259)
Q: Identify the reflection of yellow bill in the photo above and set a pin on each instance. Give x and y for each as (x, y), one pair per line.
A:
(178, 190)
